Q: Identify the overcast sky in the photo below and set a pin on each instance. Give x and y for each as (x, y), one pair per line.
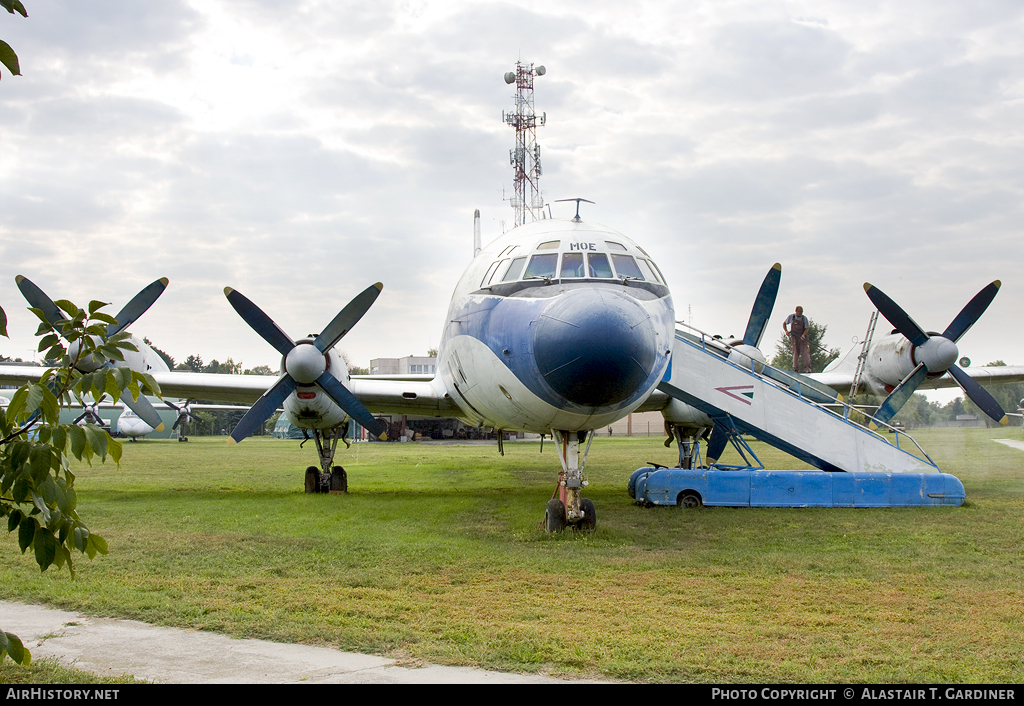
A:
(300, 151)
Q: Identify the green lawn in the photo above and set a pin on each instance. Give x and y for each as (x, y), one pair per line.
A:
(437, 554)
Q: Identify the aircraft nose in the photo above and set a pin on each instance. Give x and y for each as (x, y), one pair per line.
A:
(595, 347)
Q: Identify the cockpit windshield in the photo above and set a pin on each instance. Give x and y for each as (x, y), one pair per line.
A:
(551, 259)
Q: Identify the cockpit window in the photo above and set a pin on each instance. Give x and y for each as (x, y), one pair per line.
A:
(625, 266)
(598, 265)
(615, 246)
(645, 267)
(572, 265)
(550, 245)
(490, 271)
(514, 270)
(542, 266)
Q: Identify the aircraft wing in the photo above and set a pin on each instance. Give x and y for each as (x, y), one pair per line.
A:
(18, 375)
(425, 397)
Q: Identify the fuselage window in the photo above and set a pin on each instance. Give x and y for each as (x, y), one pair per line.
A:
(572, 265)
(598, 265)
(490, 271)
(625, 266)
(615, 246)
(542, 266)
(550, 245)
(645, 267)
(514, 270)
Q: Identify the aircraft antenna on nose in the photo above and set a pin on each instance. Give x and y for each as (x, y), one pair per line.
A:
(577, 219)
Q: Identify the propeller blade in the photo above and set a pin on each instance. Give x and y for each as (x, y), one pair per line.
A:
(972, 312)
(347, 318)
(979, 396)
(716, 444)
(80, 417)
(38, 299)
(351, 404)
(144, 408)
(264, 407)
(899, 396)
(896, 316)
(763, 305)
(137, 306)
(260, 322)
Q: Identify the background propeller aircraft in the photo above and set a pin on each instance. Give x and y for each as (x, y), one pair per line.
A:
(557, 327)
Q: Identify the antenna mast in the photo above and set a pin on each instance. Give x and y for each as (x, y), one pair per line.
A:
(525, 158)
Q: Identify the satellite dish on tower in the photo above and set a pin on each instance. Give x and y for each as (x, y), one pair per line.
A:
(510, 77)
(541, 70)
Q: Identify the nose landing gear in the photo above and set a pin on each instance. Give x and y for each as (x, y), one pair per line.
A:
(567, 508)
(333, 479)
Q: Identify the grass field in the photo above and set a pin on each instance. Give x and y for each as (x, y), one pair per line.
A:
(436, 554)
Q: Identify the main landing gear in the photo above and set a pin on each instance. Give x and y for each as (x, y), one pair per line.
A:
(566, 508)
(332, 479)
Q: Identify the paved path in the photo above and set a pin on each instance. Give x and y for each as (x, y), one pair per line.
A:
(110, 647)
(1011, 442)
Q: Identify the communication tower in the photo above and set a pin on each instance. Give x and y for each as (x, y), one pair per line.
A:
(525, 158)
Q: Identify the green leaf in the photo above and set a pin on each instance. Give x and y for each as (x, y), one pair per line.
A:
(78, 441)
(13, 520)
(3, 323)
(12, 5)
(9, 59)
(11, 645)
(69, 308)
(34, 397)
(45, 547)
(81, 538)
(97, 439)
(26, 532)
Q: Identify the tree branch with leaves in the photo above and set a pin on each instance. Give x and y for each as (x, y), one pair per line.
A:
(37, 494)
(7, 56)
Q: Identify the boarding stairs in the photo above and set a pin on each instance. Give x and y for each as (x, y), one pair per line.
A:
(790, 417)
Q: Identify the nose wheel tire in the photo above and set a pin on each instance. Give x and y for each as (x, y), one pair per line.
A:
(339, 480)
(589, 521)
(554, 516)
(312, 480)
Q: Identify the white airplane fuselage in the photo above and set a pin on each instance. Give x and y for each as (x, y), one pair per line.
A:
(129, 424)
(557, 325)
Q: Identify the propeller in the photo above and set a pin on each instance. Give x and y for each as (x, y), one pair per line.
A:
(90, 414)
(305, 362)
(184, 413)
(936, 354)
(126, 317)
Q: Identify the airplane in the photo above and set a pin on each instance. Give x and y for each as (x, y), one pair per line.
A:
(557, 327)
(129, 424)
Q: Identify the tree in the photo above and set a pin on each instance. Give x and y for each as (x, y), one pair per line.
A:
(7, 56)
(37, 494)
(193, 363)
(820, 355)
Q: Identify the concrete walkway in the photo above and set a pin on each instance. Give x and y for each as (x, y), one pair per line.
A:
(110, 647)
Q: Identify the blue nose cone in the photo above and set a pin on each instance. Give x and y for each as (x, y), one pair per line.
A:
(595, 347)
